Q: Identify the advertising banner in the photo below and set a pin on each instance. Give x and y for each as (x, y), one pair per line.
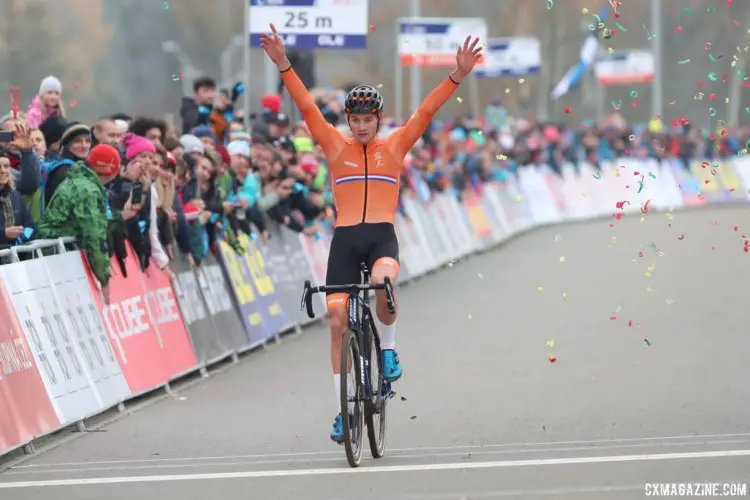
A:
(86, 329)
(218, 297)
(25, 408)
(199, 321)
(244, 294)
(275, 318)
(287, 267)
(63, 371)
(130, 330)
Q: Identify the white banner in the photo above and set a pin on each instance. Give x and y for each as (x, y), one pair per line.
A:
(312, 24)
(432, 41)
(518, 56)
(627, 68)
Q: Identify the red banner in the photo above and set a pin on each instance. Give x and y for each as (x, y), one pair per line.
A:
(170, 327)
(25, 408)
(147, 359)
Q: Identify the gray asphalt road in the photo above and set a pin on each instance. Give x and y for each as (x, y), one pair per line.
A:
(485, 415)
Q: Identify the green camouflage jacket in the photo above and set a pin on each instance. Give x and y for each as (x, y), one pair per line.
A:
(79, 208)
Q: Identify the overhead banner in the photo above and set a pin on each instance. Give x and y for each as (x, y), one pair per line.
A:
(432, 42)
(518, 56)
(311, 24)
(625, 68)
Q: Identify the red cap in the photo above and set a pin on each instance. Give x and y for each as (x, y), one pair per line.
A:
(271, 102)
(104, 160)
(309, 164)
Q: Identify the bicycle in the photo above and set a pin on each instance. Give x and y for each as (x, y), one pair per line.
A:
(371, 390)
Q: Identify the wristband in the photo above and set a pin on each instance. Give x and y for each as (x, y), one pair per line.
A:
(285, 70)
(454, 81)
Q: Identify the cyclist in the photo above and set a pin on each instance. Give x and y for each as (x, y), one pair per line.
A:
(365, 172)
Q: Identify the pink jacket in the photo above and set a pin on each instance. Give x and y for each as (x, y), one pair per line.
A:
(35, 115)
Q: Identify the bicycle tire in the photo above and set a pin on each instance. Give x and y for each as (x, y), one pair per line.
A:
(376, 436)
(350, 356)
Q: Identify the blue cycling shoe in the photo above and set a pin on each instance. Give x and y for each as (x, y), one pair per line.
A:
(391, 365)
(337, 432)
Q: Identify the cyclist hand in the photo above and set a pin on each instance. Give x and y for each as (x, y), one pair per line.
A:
(274, 47)
(467, 56)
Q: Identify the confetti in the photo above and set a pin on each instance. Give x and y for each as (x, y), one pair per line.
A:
(644, 208)
(166, 6)
(459, 99)
(372, 28)
(565, 296)
(678, 29)
(552, 358)
(684, 61)
(176, 78)
(681, 237)
(597, 176)
(550, 343)
(480, 276)
(470, 316)
(647, 342)
(380, 85)
(558, 237)
(561, 259)
(621, 27)
(501, 157)
(567, 109)
(73, 103)
(550, 4)
(540, 289)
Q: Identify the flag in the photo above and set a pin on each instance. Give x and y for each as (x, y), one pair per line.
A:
(574, 75)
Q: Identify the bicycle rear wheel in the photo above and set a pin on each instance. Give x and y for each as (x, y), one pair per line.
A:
(352, 402)
(376, 419)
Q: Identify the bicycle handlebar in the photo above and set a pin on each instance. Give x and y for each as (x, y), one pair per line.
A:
(309, 291)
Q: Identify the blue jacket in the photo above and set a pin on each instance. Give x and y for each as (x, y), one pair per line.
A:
(21, 215)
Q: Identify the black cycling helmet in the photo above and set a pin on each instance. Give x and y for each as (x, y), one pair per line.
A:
(364, 100)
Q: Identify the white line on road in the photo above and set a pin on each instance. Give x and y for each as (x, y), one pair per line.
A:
(696, 437)
(364, 470)
(337, 458)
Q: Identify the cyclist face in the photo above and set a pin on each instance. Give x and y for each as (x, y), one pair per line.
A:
(364, 127)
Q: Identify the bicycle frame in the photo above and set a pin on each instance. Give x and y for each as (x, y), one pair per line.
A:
(364, 326)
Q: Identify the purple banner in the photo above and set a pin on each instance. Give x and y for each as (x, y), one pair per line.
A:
(245, 295)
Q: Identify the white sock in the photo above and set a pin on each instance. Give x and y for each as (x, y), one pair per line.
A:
(387, 335)
(337, 385)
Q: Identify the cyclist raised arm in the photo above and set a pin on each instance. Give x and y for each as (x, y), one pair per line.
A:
(322, 132)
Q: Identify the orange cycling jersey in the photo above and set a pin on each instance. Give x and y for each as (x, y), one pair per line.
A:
(365, 179)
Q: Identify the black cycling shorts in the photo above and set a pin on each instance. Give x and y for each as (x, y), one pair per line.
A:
(352, 245)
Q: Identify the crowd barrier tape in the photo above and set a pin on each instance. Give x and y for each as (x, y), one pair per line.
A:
(65, 355)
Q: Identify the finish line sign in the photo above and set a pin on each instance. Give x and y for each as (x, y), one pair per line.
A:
(311, 24)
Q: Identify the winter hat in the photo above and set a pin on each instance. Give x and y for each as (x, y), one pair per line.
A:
(191, 144)
(239, 135)
(135, 145)
(309, 164)
(104, 160)
(239, 148)
(73, 131)
(50, 84)
(271, 102)
(52, 129)
(204, 131)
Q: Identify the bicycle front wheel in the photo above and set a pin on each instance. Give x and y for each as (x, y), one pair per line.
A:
(352, 402)
(375, 420)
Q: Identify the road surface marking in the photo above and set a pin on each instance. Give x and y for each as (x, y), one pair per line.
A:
(392, 450)
(337, 458)
(366, 470)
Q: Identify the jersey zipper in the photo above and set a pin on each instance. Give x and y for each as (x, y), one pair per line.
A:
(364, 205)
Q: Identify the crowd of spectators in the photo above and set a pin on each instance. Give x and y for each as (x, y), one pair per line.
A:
(176, 193)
